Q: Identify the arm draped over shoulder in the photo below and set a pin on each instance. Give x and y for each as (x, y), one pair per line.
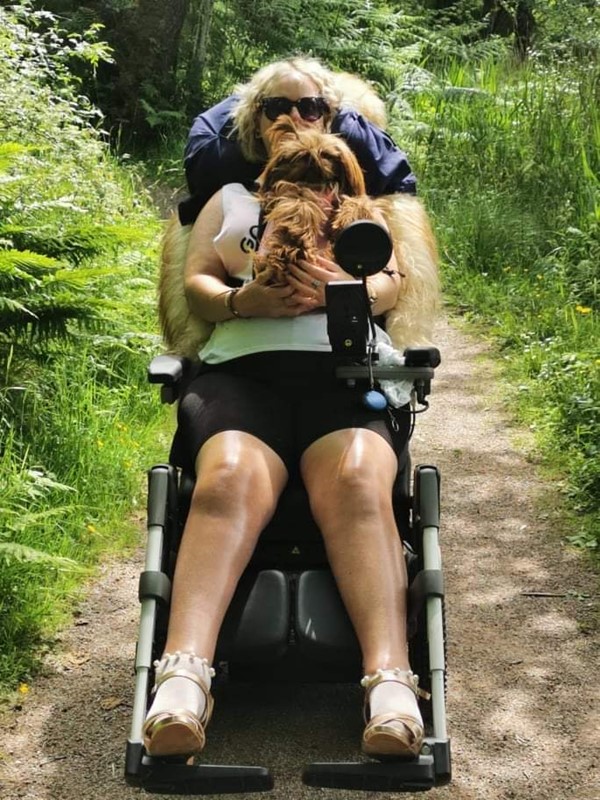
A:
(213, 157)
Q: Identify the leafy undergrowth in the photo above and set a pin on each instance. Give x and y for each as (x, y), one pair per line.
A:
(78, 424)
(510, 158)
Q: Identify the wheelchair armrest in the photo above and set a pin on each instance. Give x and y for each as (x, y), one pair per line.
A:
(168, 371)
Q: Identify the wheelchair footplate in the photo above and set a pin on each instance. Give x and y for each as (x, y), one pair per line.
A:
(431, 768)
(179, 777)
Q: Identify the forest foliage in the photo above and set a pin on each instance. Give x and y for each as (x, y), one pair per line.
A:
(77, 256)
(496, 103)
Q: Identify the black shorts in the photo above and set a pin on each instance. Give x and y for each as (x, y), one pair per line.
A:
(288, 400)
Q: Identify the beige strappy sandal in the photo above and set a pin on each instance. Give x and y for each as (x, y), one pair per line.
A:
(392, 735)
(179, 732)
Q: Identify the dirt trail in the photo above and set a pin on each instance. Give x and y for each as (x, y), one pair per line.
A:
(523, 681)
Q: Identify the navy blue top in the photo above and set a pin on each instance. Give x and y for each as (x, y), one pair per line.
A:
(213, 159)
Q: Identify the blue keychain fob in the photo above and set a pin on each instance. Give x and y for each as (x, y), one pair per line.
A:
(374, 400)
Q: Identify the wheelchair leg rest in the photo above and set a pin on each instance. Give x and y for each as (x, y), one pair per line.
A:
(171, 776)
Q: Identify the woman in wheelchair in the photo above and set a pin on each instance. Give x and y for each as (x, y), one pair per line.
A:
(264, 406)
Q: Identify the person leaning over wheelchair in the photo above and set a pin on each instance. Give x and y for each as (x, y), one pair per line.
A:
(265, 405)
(218, 152)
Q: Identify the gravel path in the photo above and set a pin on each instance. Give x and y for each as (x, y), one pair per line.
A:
(523, 645)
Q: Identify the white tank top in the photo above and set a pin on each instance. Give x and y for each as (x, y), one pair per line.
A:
(238, 237)
(235, 243)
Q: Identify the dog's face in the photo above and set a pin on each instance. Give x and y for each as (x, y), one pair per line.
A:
(311, 158)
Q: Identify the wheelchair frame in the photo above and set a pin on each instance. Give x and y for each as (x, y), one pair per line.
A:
(426, 615)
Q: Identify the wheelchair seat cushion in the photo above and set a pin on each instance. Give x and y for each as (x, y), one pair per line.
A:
(286, 399)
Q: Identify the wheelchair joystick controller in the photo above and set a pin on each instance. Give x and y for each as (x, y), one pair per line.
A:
(362, 249)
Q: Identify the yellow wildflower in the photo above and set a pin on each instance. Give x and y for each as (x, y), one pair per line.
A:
(23, 688)
(583, 309)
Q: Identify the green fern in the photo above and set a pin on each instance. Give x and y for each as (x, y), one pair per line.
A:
(10, 152)
(25, 266)
(25, 490)
(73, 243)
(20, 553)
(39, 297)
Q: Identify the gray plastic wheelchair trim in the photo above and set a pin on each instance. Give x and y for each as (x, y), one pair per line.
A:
(427, 495)
(154, 584)
(427, 488)
(158, 776)
(428, 583)
(158, 494)
(166, 369)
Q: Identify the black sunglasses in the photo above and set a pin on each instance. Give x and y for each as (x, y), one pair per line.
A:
(310, 108)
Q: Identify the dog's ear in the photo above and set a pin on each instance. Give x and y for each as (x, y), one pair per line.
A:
(351, 177)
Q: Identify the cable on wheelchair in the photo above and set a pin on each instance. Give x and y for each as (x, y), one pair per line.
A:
(413, 411)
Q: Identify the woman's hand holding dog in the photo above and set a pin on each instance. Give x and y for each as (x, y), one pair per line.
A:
(255, 299)
(308, 280)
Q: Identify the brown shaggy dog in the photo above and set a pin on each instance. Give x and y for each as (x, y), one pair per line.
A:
(410, 322)
(311, 189)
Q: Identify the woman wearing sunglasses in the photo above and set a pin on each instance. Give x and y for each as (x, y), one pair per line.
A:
(222, 149)
(265, 404)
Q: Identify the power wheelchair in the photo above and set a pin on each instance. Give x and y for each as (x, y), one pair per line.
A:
(287, 618)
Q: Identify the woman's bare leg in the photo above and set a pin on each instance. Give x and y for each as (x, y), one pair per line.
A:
(349, 475)
(239, 483)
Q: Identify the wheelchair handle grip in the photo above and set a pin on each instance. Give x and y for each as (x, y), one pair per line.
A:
(422, 357)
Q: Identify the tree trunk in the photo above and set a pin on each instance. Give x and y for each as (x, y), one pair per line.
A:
(512, 19)
(198, 53)
(146, 43)
(524, 28)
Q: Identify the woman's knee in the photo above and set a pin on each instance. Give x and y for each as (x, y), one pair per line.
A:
(350, 469)
(236, 476)
(353, 490)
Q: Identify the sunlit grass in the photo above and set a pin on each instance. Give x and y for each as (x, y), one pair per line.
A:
(510, 161)
(73, 478)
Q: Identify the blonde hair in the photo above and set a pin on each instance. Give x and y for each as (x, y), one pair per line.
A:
(259, 86)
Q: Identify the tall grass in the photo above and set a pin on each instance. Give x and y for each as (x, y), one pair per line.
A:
(73, 466)
(510, 162)
(78, 424)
